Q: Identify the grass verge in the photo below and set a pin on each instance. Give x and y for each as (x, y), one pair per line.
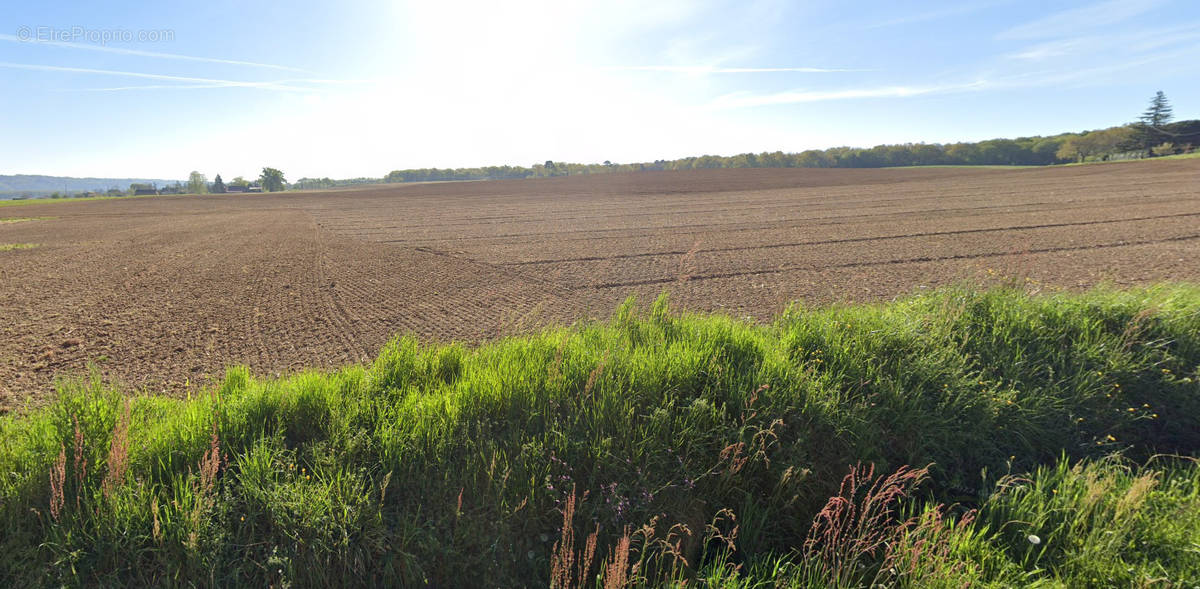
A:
(961, 437)
(4, 247)
(42, 201)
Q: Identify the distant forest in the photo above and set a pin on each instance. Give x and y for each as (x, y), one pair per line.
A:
(1116, 143)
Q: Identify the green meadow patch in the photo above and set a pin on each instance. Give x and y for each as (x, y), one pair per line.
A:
(7, 220)
(959, 438)
(42, 201)
(4, 247)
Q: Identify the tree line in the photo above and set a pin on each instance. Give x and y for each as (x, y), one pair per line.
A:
(322, 183)
(270, 180)
(1153, 134)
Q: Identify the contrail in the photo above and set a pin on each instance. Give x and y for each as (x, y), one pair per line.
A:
(210, 82)
(140, 53)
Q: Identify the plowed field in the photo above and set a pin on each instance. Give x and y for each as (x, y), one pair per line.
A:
(163, 293)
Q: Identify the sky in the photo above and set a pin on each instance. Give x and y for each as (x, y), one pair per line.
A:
(358, 88)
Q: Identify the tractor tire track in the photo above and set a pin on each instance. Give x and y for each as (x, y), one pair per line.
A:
(913, 260)
(849, 240)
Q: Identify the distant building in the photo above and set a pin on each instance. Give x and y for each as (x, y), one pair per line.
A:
(254, 189)
(235, 188)
(144, 192)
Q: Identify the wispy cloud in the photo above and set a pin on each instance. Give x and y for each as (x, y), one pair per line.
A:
(140, 53)
(194, 82)
(749, 100)
(148, 87)
(705, 69)
(1124, 44)
(1075, 20)
(1050, 50)
(270, 85)
(1050, 77)
(1185, 58)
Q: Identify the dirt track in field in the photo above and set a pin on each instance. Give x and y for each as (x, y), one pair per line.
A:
(163, 293)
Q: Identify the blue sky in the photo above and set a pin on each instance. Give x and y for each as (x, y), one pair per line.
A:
(358, 88)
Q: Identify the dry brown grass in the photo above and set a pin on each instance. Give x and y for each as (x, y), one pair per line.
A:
(858, 524)
(118, 453)
(569, 569)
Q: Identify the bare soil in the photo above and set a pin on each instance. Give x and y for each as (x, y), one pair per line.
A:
(161, 294)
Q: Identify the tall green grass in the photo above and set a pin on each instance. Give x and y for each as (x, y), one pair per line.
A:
(686, 447)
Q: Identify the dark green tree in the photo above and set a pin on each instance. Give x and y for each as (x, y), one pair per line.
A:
(1150, 125)
(133, 188)
(218, 186)
(272, 180)
(1159, 113)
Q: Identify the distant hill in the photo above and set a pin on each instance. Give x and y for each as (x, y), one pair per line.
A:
(35, 185)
